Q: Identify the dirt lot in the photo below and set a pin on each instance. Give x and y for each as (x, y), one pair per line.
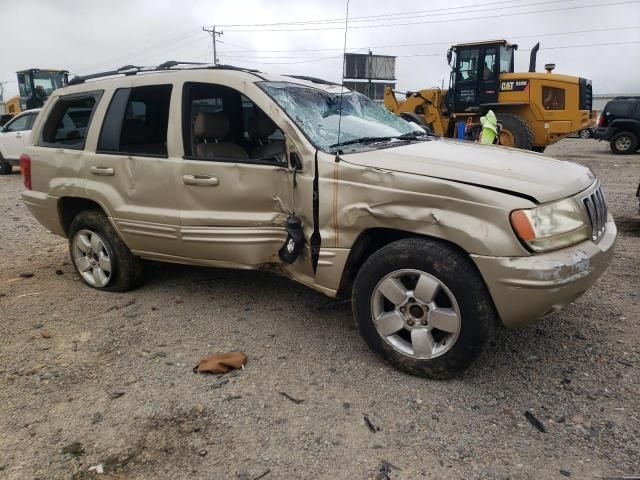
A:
(91, 378)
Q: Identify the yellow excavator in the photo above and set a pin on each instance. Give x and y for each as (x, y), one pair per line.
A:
(533, 109)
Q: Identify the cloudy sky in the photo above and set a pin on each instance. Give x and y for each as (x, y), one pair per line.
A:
(597, 39)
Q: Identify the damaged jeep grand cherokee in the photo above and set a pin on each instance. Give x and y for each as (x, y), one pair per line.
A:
(435, 241)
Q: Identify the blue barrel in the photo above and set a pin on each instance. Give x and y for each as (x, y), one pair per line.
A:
(460, 128)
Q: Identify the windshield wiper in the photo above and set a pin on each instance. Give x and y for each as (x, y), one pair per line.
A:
(362, 140)
(411, 136)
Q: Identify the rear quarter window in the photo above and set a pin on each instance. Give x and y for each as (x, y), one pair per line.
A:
(68, 122)
(617, 108)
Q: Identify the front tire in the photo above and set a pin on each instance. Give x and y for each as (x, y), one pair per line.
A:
(585, 133)
(5, 168)
(101, 258)
(624, 143)
(424, 307)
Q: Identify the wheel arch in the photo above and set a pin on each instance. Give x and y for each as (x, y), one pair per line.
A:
(371, 240)
(70, 207)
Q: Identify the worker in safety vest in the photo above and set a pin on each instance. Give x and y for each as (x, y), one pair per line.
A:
(489, 128)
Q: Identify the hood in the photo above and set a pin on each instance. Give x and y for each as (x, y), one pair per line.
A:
(499, 168)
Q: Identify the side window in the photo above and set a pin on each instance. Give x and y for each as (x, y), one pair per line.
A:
(20, 124)
(637, 113)
(136, 122)
(489, 65)
(219, 123)
(617, 108)
(553, 98)
(60, 130)
(468, 64)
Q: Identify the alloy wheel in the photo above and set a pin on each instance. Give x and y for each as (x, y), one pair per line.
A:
(92, 258)
(415, 313)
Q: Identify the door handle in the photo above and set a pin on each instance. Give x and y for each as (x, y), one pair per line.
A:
(200, 180)
(103, 171)
(18, 135)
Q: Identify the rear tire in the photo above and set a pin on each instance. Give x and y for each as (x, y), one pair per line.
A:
(539, 149)
(624, 143)
(101, 258)
(516, 132)
(428, 287)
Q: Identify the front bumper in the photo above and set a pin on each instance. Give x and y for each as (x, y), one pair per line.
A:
(525, 289)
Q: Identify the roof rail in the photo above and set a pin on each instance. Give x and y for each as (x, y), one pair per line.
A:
(627, 97)
(314, 80)
(163, 67)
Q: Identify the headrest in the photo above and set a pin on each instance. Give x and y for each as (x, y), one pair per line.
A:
(211, 125)
(261, 126)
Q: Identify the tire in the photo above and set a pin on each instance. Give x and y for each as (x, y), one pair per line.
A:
(5, 168)
(624, 143)
(95, 247)
(430, 272)
(585, 133)
(538, 148)
(516, 130)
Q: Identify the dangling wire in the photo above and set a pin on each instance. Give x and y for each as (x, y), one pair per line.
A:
(344, 55)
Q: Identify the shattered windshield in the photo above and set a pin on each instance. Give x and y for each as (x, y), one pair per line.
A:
(317, 113)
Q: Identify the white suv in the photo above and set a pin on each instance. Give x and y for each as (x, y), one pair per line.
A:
(14, 136)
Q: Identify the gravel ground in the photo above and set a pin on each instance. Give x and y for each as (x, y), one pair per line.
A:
(91, 378)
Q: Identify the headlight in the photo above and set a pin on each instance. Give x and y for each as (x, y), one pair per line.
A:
(551, 226)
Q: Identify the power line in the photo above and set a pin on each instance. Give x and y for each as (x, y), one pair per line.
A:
(136, 53)
(484, 17)
(214, 35)
(450, 42)
(398, 16)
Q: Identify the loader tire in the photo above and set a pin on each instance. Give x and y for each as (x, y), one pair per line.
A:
(516, 132)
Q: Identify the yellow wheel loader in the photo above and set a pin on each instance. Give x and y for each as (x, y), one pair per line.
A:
(534, 109)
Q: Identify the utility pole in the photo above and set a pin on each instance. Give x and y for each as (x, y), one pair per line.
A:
(370, 73)
(214, 33)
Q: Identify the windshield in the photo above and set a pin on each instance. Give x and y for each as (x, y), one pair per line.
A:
(45, 82)
(317, 113)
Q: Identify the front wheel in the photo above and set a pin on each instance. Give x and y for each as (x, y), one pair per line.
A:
(586, 133)
(5, 168)
(101, 258)
(424, 307)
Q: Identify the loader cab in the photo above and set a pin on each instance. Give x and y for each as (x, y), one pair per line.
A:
(36, 85)
(475, 74)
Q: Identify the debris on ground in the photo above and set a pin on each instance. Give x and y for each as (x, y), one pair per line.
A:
(26, 274)
(535, 422)
(372, 426)
(45, 334)
(59, 272)
(384, 470)
(97, 468)
(74, 448)
(114, 395)
(221, 362)
(289, 397)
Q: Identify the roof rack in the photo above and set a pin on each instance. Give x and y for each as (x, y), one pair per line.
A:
(627, 97)
(163, 67)
(314, 80)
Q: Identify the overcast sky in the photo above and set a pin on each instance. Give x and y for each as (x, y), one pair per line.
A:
(85, 36)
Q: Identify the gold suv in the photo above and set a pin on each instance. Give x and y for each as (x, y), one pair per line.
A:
(435, 241)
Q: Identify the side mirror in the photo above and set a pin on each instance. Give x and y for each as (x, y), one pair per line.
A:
(295, 161)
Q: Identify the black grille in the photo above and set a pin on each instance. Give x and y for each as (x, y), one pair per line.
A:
(586, 94)
(597, 210)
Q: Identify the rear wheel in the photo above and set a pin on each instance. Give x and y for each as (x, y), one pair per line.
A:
(624, 143)
(424, 307)
(538, 148)
(101, 258)
(515, 132)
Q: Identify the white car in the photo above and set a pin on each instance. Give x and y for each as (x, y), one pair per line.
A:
(14, 136)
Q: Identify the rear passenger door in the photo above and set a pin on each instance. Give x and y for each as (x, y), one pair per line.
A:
(131, 173)
(235, 187)
(15, 134)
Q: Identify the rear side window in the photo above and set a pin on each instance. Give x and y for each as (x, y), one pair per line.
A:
(137, 122)
(69, 120)
(617, 108)
(21, 123)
